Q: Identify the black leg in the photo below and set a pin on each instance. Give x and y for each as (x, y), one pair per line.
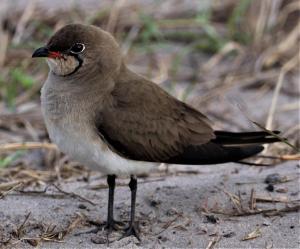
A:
(132, 230)
(110, 224)
(111, 181)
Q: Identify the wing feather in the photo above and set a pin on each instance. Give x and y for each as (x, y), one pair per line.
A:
(146, 123)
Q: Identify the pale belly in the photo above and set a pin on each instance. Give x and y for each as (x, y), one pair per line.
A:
(89, 149)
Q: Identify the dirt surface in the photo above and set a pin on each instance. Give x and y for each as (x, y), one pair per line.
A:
(173, 211)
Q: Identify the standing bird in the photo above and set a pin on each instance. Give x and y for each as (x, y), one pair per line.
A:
(113, 120)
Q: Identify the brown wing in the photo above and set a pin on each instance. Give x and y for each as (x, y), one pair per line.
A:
(145, 123)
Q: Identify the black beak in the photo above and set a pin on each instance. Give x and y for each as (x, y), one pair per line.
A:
(41, 52)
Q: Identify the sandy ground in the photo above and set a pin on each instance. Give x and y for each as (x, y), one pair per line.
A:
(172, 211)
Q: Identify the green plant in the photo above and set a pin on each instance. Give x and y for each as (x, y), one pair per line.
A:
(235, 22)
(211, 41)
(150, 29)
(6, 161)
(20, 77)
(17, 79)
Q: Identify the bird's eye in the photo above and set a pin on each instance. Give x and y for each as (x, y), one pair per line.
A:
(77, 48)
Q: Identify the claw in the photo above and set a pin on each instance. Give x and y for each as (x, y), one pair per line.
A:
(109, 226)
(132, 230)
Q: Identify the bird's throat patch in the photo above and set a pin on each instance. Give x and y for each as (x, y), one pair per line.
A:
(64, 66)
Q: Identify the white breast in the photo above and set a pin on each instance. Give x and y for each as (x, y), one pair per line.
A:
(78, 140)
(94, 153)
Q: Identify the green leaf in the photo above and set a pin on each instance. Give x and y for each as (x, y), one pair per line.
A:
(22, 78)
(6, 161)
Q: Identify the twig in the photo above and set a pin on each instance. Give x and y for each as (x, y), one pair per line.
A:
(20, 228)
(283, 157)
(254, 234)
(252, 200)
(73, 195)
(267, 212)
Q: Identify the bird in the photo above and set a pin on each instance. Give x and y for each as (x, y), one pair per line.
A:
(111, 119)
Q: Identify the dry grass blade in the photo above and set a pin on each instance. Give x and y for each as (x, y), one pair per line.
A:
(287, 46)
(233, 80)
(8, 185)
(169, 223)
(287, 67)
(27, 14)
(213, 242)
(4, 39)
(252, 202)
(74, 224)
(19, 232)
(234, 199)
(266, 212)
(73, 195)
(294, 157)
(228, 48)
(27, 146)
(284, 140)
(50, 235)
(283, 199)
(2, 195)
(254, 234)
(287, 209)
(290, 157)
(114, 14)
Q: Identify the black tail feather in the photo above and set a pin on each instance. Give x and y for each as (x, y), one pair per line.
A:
(226, 147)
(239, 138)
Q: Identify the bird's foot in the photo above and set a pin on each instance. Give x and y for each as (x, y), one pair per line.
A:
(114, 225)
(132, 230)
(110, 226)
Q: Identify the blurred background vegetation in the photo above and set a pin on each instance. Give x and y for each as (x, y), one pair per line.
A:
(215, 55)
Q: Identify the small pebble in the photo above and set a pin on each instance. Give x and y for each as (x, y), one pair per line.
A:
(282, 190)
(98, 240)
(212, 219)
(171, 212)
(82, 206)
(274, 178)
(162, 238)
(229, 235)
(154, 203)
(270, 188)
(266, 223)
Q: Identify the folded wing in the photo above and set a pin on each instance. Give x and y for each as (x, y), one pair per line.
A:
(158, 128)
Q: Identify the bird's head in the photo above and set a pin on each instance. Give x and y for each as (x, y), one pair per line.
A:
(78, 49)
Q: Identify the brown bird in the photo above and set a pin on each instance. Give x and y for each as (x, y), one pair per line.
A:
(113, 120)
